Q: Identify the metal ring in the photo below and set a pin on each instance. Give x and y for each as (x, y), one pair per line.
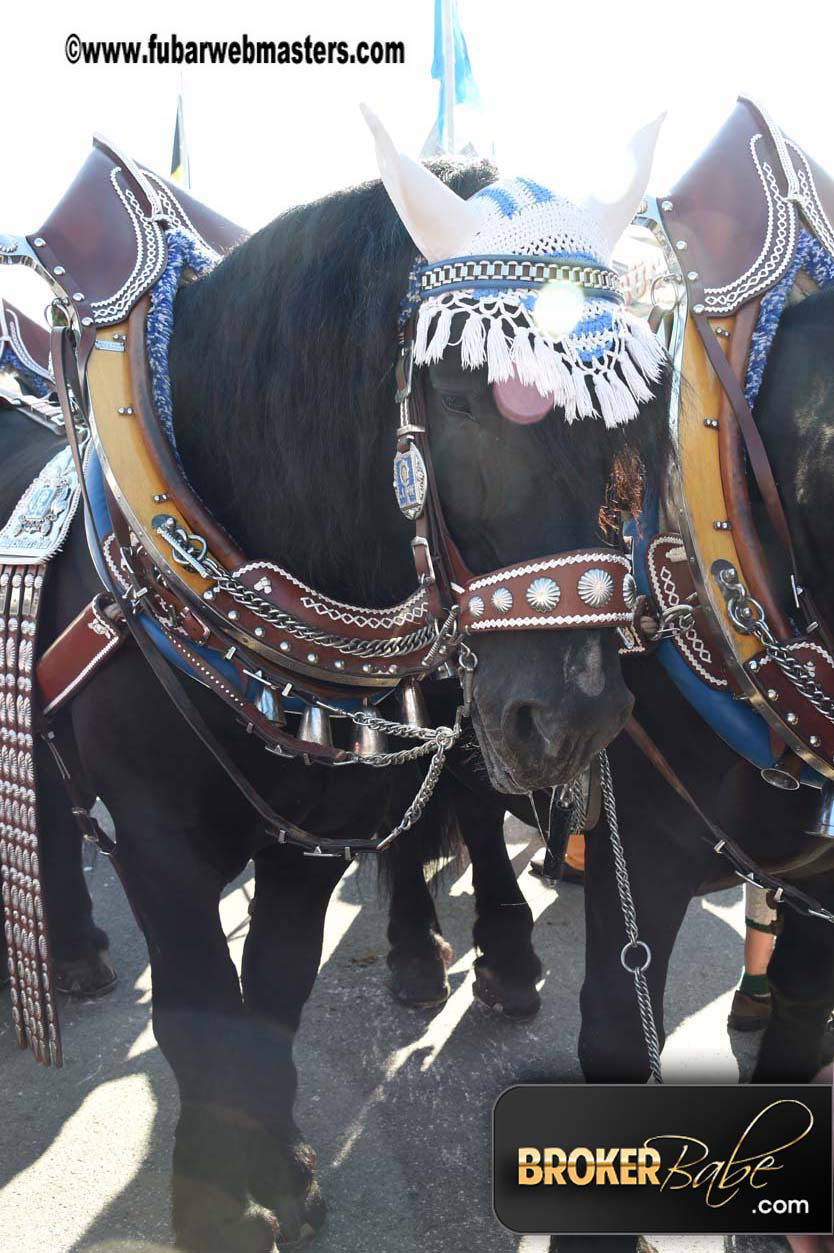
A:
(636, 970)
(745, 622)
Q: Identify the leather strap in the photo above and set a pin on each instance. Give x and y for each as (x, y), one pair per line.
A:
(75, 656)
(653, 754)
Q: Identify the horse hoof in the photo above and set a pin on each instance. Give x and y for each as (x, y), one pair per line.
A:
(420, 982)
(518, 1004)
(87, 978)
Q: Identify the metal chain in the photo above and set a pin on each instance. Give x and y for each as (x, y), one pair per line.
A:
(638, 972)
(393, 646)
(421, 799)
(748, 616)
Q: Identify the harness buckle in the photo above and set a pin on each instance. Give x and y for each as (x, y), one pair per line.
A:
(403, 373)
(428, 575)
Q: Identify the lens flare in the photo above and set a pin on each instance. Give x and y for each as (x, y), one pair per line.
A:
(558, 308)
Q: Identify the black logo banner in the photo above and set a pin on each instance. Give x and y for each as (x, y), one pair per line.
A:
(612, 1158)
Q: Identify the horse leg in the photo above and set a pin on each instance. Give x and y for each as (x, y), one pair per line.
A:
(507, 967)
(801, 978)
(611, 1044)
(201, 1027)
(81, 960)
(418, 954)
(280, 963)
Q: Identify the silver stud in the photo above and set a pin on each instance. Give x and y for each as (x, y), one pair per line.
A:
(338, 664)
(233, 615)
(59, 269)
(814, 741)
(312, 658)
(208, 594)
(40, 243)
(697, 308)
(86, 321)
(721, 525)
(259, 633)
(78, 295)
(543, 594)
(392, 669)
(772, 694)
(680, 244)
(667, 205)
(284, 646)
(753, 665)
(595, 587)
(692, 275)
(476, 606)
(630, 591)
(712, 423)
(125, 409)
(792, 719)
(367, 668)
(502, 599)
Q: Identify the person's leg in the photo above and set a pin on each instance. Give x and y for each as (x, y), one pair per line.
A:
(751, 1003)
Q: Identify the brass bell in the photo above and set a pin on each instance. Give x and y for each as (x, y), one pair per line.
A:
(368, 742)
(823, 824)
(413, 704)
(315, 726)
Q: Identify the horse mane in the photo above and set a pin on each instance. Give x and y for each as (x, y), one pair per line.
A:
(282, 369)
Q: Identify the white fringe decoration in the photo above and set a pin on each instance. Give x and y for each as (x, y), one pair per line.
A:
(440, 338)
(472, 342)
(499, 362)
(604, 373)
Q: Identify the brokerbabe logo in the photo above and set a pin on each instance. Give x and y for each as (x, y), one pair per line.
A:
(622, 1158)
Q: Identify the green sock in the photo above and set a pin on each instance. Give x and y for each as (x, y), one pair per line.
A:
(754, 985)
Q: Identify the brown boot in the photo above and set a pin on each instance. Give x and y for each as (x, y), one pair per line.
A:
(748, 1013)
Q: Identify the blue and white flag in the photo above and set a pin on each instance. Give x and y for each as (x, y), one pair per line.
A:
(452, 69)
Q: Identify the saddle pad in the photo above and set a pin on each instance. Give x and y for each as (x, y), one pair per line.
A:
(41, 518)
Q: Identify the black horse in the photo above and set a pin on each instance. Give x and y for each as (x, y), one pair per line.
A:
(668, 862)
(282, 372)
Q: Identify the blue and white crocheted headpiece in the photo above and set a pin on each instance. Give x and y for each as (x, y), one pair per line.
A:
(531, 272)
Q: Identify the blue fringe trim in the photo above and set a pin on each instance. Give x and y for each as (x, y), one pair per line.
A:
(811, 257)
(35, 383)
(183, 250)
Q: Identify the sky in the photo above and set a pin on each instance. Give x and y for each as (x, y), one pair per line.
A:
(563, 86)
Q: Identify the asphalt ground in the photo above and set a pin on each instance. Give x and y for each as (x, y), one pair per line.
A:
(397, 1103)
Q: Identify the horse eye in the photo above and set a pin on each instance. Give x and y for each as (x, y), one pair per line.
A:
(456, 403)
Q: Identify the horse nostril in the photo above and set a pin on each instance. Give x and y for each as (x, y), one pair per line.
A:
(527, 723)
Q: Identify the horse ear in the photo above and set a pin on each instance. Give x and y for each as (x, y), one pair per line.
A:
(438, 220)
(614, 216)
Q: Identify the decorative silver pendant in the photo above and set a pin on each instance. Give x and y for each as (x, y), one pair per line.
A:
(595, 588)
(543, 594)
(410, 481)
(630, 591)
(476, 606)
(502, 599)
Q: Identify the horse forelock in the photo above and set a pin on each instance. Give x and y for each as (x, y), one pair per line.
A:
(282, 364)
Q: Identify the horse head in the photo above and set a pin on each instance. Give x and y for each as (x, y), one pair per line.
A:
(537, 395)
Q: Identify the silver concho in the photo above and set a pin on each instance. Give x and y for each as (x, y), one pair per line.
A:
(476, 606)
(630, 591)
(502, 599)
(410, 481)
(595, 587)
(543, 594)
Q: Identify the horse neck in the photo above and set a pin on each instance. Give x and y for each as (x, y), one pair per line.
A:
(795, 414)
(315, 500)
